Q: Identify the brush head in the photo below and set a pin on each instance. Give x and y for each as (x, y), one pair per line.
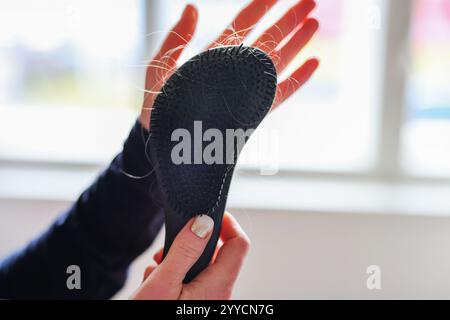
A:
(222, 89)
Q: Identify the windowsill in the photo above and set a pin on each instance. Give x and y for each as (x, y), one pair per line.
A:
(321, 195)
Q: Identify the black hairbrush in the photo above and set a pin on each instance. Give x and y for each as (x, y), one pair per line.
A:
(228, 90)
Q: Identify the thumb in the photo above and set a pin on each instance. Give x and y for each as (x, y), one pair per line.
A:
(166, 280)
(187, 247)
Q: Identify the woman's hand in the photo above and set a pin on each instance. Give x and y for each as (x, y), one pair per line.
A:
(295, 21)
(165, 281)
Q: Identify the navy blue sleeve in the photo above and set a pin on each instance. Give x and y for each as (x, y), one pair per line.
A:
(112, 223)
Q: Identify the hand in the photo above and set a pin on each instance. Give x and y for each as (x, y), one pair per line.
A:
(295, 20)
(165, 281)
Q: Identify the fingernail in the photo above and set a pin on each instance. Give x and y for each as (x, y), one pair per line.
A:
(202, 225)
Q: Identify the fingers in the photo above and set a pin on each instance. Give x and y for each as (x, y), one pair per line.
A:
(216, 251)
(244, 22)
(179, 36)
(148, 271)
(235, 246)
(295, 81)
(158, 259)
(187, 247)
(230, 256)
(270, 39)
(298, 41)
(164, 62)
(158, 256)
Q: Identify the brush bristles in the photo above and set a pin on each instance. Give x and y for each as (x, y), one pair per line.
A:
(224, 88)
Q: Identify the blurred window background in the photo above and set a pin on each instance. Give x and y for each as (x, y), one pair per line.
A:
(427, 129)
(330, 124)
(67, 68)
(72, 72)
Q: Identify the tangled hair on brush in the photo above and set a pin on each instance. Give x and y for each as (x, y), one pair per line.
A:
(164, 67)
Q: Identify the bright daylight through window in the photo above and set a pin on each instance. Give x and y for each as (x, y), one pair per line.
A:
(427, 129)
(66, 68)
(63, 71)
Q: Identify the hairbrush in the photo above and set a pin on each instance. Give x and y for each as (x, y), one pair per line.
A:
(201, 119)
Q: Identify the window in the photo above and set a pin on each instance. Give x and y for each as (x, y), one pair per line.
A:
(67, 67)
(427, 128)
(71, 74)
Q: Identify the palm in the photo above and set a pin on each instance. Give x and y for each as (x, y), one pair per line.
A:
(294, 23)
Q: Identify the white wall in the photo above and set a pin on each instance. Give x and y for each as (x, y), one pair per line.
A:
(302, 255)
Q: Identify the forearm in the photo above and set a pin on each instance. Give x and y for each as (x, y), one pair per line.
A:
(112, 223)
